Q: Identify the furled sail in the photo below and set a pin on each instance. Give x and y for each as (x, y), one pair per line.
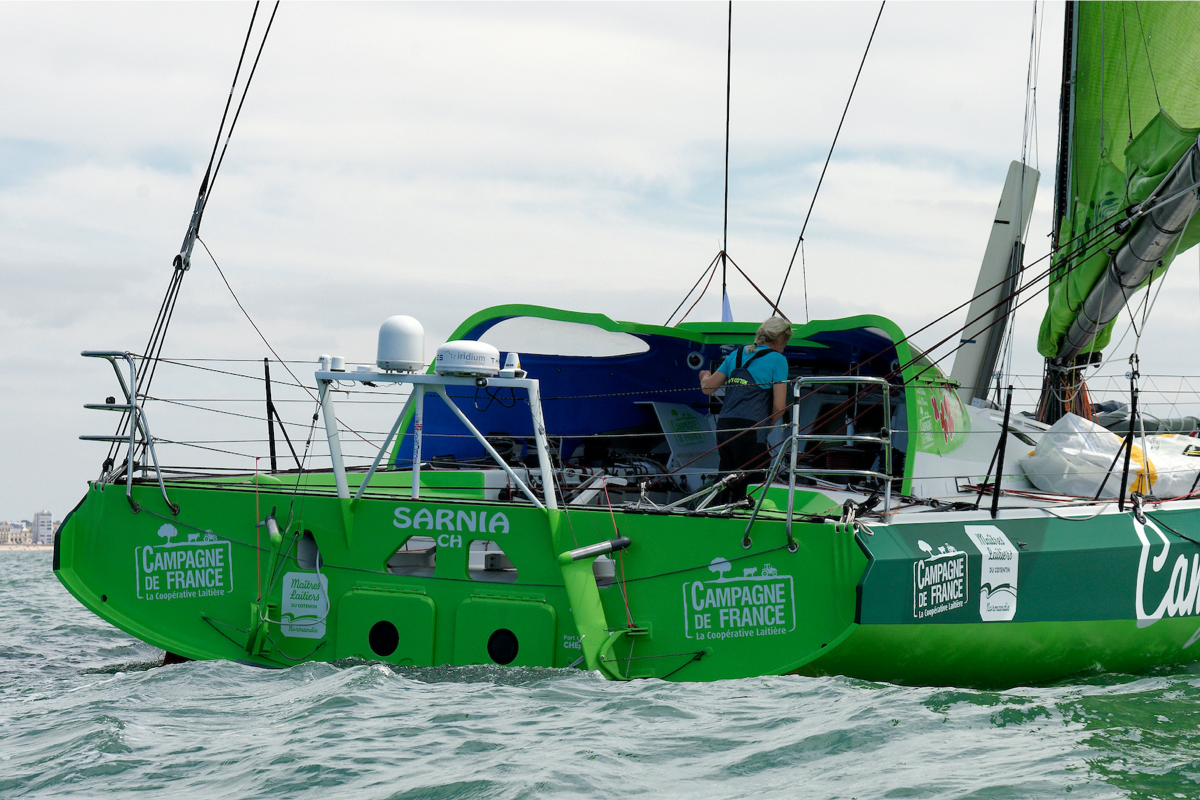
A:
(1129, 125)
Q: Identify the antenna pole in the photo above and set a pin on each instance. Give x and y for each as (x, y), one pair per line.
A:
(725, 225)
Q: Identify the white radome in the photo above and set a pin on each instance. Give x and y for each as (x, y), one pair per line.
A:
(401, 345)
(474, 359)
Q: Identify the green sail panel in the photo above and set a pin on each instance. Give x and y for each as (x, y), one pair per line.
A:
(1133, 111)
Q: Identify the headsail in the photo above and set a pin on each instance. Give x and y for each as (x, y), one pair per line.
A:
(1130, 113)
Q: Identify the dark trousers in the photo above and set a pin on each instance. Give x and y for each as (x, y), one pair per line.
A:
(740, 450)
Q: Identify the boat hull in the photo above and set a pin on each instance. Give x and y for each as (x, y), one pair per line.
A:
(958, 599)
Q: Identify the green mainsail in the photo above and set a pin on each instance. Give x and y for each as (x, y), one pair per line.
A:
(1130, 111)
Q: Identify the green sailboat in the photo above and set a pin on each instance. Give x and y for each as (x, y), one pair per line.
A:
(550, 494)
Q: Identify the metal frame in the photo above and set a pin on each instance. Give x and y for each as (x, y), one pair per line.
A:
(422, 383)
(137, 423)
(886, 441)
(797, 437)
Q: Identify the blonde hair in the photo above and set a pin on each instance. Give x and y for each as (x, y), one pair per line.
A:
(773, 330)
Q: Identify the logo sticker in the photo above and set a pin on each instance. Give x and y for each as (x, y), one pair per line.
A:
(998, 575)
(1178, 598)
(939, 581)
(759, 603)
(305, 605)
(201, 566)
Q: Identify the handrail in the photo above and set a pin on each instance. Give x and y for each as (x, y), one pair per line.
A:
(793, 441)
(884, 439)
(137, 423)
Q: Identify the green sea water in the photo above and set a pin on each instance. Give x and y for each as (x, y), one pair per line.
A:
(85, 712)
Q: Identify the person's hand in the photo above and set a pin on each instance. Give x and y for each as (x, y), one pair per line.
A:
(704, 374)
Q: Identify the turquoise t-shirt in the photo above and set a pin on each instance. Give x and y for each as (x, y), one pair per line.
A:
(765, 370)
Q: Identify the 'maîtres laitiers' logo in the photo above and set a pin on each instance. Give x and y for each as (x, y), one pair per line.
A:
(202, 566)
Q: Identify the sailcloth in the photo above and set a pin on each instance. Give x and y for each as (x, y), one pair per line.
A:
(1131, 109)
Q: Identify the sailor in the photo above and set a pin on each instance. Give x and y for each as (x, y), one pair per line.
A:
(755, 381)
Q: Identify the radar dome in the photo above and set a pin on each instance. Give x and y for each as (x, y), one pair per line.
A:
(401, 345)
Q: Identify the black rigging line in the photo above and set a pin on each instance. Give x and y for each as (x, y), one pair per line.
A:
(238, 113)
(254, 325)
(182, 262)
(816, 191)
(689, 294)
(725, 225)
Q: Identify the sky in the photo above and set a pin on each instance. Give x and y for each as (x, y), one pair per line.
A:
(436, 159)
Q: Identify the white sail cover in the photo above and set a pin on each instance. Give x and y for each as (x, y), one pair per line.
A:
(1073, 458)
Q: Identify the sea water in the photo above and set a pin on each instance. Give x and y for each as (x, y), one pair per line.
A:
(86, 712)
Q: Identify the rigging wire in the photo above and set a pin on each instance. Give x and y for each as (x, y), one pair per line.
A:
(689, 294)
(713, 272)
(1028, 134)
(181, 263)
(148, 367)
(1149, 64)
(268, 344)
(820, 180)
(238, 113)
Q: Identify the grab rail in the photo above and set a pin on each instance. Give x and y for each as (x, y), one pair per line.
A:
(796, 437)
(137, 424)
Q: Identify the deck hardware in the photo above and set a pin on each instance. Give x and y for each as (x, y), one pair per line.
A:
(421, 384)
(593, 550)
(133, 415)
(792, 445)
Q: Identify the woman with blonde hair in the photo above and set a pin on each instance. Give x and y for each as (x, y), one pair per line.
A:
(755, 381)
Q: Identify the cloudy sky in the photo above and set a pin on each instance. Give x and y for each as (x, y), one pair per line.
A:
(435, 159)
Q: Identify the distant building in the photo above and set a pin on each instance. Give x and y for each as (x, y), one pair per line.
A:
(43, 528)
(15, 533)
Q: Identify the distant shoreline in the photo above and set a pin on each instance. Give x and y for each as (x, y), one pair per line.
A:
(42, 548)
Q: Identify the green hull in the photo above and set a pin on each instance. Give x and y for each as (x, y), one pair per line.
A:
(962, 600)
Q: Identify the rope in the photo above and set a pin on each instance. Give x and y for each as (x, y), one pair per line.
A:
(774, 306)
(689, 293)
(820, 180)
(617, 532)
(264, 338)
(713, 266)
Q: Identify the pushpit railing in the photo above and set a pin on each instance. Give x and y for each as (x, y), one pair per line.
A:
(138, 424)
(796, 437)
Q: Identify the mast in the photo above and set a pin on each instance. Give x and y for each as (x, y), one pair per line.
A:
(1066, 119)
(1125, 202)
